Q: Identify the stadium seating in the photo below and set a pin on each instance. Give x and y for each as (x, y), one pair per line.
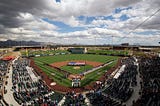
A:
(150, 74)
(97, 99)
(73, 99)
(27, 91)
(3, 71)
(121, 88)
(117, 90)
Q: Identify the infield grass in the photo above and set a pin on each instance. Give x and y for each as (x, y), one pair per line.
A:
(72, 69)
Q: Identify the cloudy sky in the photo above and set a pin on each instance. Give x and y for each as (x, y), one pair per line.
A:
(81, 21)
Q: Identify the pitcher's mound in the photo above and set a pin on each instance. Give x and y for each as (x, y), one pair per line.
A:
(76, 67)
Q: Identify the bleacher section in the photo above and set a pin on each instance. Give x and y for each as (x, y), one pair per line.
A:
(121, 88)
(73, 99)
(28, 91)
(150, 74)
(97, 99)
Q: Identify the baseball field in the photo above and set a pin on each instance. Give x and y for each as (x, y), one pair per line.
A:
(50, 64)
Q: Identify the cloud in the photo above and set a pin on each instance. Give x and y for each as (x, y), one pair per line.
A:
(24, 19)
(65, 11)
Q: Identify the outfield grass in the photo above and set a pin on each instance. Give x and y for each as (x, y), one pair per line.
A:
(89, 57)
(59, 77)
(76, 71)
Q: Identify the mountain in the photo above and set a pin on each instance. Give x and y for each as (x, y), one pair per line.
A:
(10, 43)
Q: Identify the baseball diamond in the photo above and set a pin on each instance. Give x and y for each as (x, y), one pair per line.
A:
(63, 67)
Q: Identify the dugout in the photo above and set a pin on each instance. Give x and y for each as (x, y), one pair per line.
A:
(77, 50)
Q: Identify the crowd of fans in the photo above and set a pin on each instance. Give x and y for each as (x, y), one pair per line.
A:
(150, 74)
(3, 71)
(27, 91)
(73, 99)
(98, 99)
(3, 67)
(117, 90)
(121, 88)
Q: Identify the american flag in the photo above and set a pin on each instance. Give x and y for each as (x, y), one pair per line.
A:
(76, 63)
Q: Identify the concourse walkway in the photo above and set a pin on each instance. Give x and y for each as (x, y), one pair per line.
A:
(136, 89)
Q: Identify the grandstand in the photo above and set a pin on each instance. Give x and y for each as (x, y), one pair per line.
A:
(118, 86)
